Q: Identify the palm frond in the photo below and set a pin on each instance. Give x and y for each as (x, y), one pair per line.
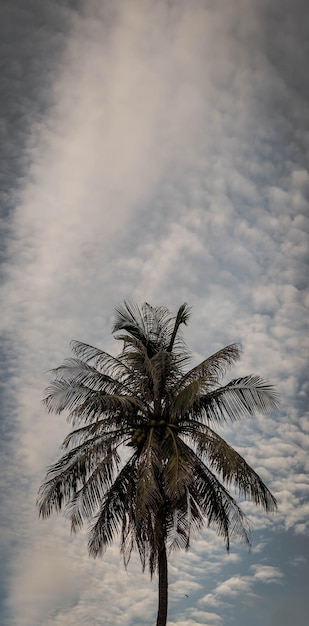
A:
(113, 510)
(218, 507)
(117, 408)
(131, 319)
(166, 371)
(241, 397)
(177, 469)
(213, 503)
(186, 520)
(183, 401)
(88, 376)
(155, 327)
(148, 494)
(178, 531)
(231, 467)
(100, 428)
(102, 360)
(212, 369)
(157, 321)
(136, 357)
(71, 472)
(182, 317)
(84, 403)
(87, 500)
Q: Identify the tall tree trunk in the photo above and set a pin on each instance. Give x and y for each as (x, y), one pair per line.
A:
(163, 584)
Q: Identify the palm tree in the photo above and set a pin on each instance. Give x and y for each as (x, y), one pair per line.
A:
(143, 459)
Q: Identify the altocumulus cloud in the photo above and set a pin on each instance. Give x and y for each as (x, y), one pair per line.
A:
(155, 151)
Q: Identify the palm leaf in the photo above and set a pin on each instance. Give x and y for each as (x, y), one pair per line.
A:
(231, 466)
(113, 510)
(90, 377)
(241, 397)
(88, 498)
(72, 471)
(182, 317)
(183, 401)
(177, 469)
(217, 505)
(130, 318)
(85, 403)
(148, 494)
(99, 428)
(101, 360)
(212, 369)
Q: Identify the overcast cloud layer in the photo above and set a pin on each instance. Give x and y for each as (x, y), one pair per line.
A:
(159, 152)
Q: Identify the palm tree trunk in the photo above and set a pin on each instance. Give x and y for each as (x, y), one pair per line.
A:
(163, 584)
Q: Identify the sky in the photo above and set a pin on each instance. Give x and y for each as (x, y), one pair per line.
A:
(154, 151)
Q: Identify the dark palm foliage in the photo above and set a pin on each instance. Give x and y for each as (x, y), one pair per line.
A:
(177, 470)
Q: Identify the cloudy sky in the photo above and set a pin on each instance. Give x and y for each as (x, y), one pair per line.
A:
(154, 151)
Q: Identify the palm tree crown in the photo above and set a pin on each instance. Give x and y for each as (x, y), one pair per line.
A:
(176, 473)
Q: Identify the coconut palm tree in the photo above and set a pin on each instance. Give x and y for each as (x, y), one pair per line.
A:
(143, 459)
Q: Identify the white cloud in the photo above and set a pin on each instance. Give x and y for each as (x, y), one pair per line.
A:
(241, 587)
(234, 586)
(206, 618)
(266, 573)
